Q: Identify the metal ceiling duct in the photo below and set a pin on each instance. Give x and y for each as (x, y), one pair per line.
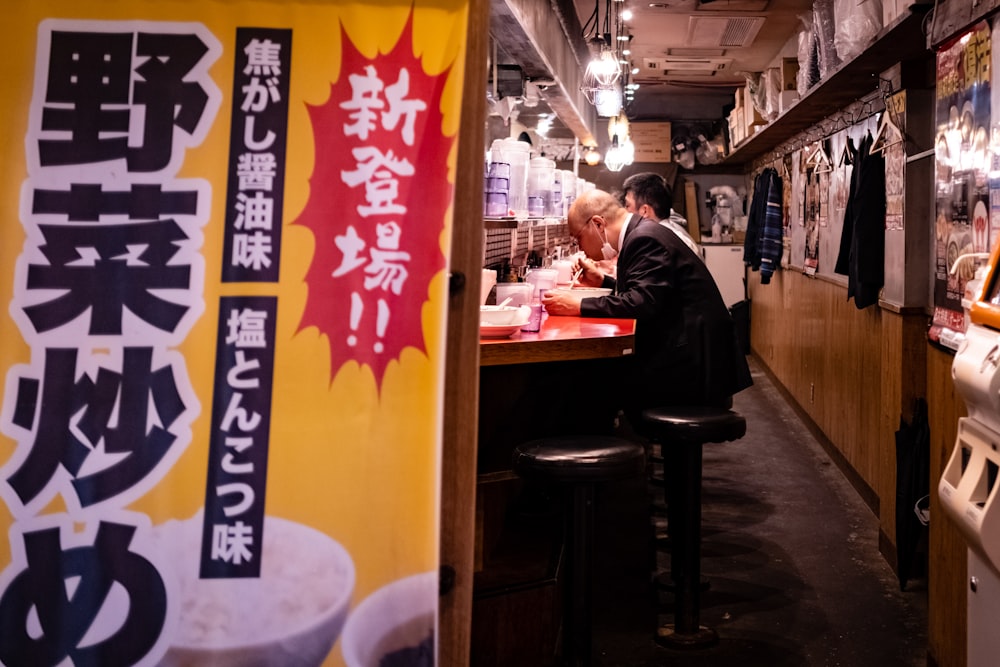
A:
(538, 38)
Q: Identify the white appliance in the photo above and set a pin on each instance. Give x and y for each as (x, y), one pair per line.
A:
(725, 263)
(968, 487)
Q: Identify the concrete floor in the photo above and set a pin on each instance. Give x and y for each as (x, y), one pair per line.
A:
(790, 551)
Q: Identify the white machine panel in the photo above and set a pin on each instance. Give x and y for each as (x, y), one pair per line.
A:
(974, 371)
(984, 610)
(725, 263)
(968, 487)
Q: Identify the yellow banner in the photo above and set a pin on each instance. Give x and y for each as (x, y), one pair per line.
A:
(224, 251)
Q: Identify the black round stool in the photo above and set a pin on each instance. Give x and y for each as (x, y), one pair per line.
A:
(681, 432)
(578, 463)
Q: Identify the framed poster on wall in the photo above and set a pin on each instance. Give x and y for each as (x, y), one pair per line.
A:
(962, 189)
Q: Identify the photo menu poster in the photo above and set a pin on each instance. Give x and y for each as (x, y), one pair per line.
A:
(224, 263)
(962, 161)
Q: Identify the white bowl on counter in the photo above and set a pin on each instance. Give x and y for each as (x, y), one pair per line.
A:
(580, 293)
(503, 315)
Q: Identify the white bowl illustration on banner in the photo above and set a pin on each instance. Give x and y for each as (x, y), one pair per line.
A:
(291, 616)
(395, 625)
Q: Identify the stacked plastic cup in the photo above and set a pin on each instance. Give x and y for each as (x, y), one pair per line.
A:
(497, 185)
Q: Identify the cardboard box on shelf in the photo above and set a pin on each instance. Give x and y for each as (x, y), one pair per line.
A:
(893, 9)
(786, 99)
(691, 209)
(789, 74)
(751, 116)
(771, 82)
(736, 129)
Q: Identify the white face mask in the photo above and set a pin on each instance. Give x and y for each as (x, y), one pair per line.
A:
(607, 252)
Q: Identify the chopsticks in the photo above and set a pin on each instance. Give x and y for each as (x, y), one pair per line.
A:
(576, 276)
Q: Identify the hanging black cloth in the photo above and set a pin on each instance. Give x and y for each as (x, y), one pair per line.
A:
(863, 237)
(912, 484)
(842, 265)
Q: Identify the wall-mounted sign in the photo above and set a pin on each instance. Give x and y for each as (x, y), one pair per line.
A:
(651, 141)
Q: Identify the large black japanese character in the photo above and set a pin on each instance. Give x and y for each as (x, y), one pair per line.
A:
(87, 202)
(41, 588)
(91, 72)
(127, 394)
(106, 268)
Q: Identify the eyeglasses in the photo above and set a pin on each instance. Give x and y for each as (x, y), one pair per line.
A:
(576, 237)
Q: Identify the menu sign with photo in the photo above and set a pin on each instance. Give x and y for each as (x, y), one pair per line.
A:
(962, 164)
(224, 263)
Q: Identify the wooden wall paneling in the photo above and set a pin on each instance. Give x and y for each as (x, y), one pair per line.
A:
(892, 397)
(947, 567)
(852, 383)
(458, 468)
(904, 354)
(862, 413)
(828, 356)
(764, 303)
(809, 314)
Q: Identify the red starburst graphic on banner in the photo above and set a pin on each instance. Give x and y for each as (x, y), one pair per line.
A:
(377, 204)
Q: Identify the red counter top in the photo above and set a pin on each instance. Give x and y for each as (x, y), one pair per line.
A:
(561, 338)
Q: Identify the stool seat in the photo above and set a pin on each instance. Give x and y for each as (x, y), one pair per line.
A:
(682, 431)
(694, 424)
(576, 459)
(577, 464)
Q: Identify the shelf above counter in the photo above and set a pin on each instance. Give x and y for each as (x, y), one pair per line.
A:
(514, 223)
(901, 41)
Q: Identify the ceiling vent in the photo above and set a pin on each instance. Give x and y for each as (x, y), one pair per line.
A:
(723, 31)
(732, 5)
(696, 53)
(670, 67)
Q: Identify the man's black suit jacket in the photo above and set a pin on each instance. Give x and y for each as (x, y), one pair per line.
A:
(687, 351)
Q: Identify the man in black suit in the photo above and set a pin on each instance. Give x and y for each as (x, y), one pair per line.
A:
(648, 194)
(687, 351)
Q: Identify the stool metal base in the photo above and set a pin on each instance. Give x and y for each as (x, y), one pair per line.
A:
(665, 582)
(667, 637)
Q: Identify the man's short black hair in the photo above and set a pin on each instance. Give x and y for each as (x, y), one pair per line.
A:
(651, 189)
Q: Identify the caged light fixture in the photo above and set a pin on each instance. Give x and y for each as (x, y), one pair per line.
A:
(602, 80)
(622, 151)
(603, 71)
(608, 102)
(600, 84)
(614, 159)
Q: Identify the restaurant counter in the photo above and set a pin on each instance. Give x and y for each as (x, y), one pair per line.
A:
(531, 385)
(561, 338)
(528, 381)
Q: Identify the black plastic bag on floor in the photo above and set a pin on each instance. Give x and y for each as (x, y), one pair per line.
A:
(912, 484)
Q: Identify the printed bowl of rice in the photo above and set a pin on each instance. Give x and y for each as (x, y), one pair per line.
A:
(291, 615)
(394, 626)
